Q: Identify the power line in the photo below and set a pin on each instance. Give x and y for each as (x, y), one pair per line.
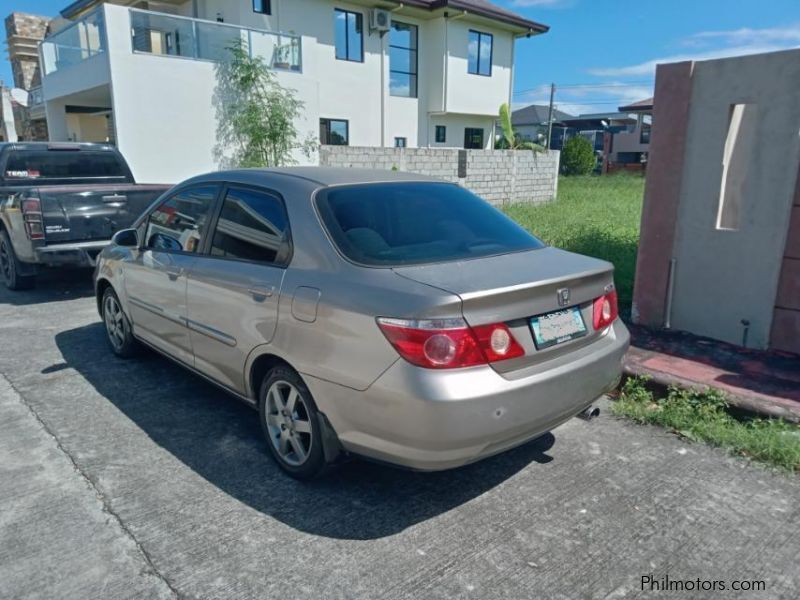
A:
(587, 86)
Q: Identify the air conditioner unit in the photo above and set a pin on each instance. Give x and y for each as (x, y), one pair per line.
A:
(380, 20)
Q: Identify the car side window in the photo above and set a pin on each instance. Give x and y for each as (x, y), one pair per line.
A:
(252, 226)
(178, 224)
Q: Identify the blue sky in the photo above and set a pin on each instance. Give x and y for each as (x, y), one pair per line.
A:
(609, 47)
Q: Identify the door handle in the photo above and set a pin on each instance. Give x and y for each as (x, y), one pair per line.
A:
(116, 198)
(260, 294)
(174, 273)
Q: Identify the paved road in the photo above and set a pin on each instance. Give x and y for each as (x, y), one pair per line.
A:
(136, 479)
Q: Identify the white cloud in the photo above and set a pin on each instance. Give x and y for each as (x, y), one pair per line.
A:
(715, 44)
(648, 68)
(747, 36)
(605, 96)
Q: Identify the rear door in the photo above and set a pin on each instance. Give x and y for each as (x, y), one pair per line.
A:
(233, 288)
(155, 283)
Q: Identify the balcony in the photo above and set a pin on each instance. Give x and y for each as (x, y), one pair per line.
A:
(79, 42)
(197, 39)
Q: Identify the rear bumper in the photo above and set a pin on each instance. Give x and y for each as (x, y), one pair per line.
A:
(79, 254)
(432, 420)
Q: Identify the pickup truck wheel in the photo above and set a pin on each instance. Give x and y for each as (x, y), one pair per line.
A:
(290, 423)
(118, 328)
(10, 267)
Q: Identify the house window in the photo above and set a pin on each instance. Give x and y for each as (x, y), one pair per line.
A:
(403, 60)
(473, 138)
(644, 132)
(441, 134)
(349, 31)
(334, 132)
(262, 6)
(479, 53)
(400, 142)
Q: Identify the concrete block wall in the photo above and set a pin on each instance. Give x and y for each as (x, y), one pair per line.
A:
(498, 176)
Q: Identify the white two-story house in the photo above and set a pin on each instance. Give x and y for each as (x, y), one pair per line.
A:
(415, 73)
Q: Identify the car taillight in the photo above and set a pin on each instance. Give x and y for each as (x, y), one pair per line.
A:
(32, 217)
(449, 343)
(605, 310)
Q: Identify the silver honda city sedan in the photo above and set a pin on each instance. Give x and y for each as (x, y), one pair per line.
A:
(388, 315)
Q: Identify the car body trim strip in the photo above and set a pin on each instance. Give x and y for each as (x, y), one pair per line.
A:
(211, 332)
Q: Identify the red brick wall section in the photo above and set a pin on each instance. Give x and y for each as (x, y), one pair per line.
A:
(662, 191)
(786, 319)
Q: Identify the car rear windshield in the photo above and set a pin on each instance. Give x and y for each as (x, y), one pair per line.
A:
(393, 224)
(63, 164)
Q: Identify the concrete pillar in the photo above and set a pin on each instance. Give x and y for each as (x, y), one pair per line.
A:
(662, 191)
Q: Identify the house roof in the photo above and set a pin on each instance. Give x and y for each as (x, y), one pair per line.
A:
(536, 114)
(483, 8)
(645, 105)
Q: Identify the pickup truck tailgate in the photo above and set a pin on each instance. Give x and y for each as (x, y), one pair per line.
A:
(92, 213)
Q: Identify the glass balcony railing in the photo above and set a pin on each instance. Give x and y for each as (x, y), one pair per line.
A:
(78, 42)
(168, 35)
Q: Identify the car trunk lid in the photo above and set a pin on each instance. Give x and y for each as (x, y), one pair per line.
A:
(513, 288)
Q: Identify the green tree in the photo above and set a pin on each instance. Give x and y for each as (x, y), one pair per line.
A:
(511, 140)
(577, 156)
(507, 126)
(255, 114)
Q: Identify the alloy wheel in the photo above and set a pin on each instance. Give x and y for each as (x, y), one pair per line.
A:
(288, 423)
(115, 322)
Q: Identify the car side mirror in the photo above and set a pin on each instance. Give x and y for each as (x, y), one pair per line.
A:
(127, 238)
(160, 241)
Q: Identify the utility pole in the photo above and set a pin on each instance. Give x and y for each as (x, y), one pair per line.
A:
(550, 116)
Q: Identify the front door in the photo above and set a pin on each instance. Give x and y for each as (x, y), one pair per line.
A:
(155, 283)
(233, 290)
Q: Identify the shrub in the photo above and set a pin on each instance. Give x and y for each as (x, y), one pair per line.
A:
(577, 156)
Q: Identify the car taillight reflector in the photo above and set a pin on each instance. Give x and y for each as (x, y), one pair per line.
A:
(497, 342)
(449, 343)
(32, 216)
(605, 310)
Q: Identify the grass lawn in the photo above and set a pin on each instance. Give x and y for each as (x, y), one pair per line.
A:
(597, 216)
(704, 417)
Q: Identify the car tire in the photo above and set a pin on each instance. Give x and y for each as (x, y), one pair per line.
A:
(10, 267)
(118, 327)
(290, 423)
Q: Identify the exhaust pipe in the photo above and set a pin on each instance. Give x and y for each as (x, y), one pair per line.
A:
(589, 413)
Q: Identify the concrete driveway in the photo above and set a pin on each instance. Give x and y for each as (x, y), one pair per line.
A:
(122, 479)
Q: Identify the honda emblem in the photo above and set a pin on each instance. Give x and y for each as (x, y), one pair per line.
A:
(563, 296)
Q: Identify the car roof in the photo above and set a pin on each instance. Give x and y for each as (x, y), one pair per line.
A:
(57, 145)
(322, 176)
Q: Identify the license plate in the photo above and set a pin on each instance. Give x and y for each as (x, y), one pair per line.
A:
(557, 327)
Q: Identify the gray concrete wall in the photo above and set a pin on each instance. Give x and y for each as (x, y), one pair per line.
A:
(727, 272)
(498, 176)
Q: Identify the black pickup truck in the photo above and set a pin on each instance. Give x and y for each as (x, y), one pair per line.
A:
(60, 204)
